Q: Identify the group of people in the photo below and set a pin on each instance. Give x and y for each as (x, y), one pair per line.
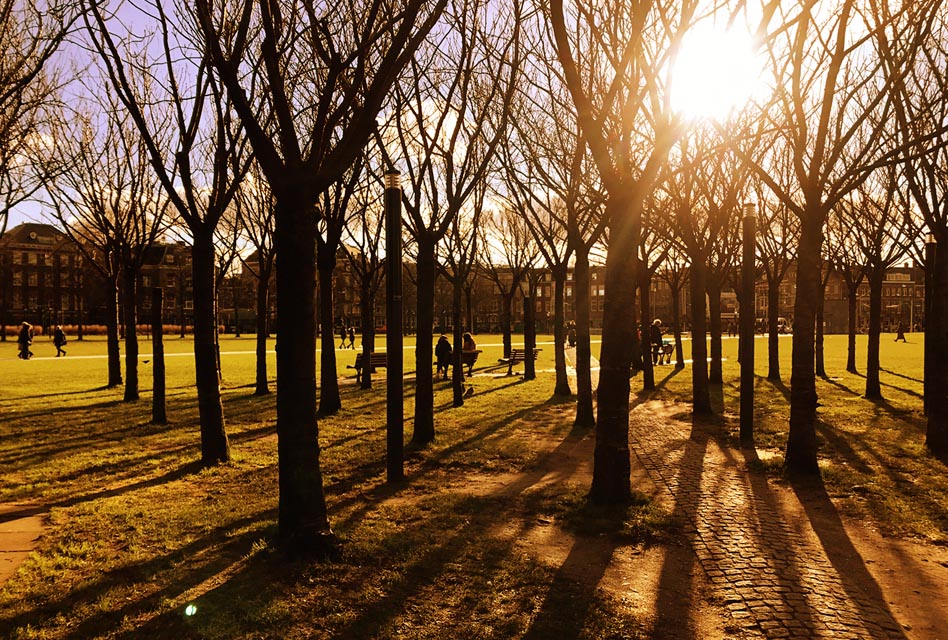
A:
(443, 352)
(347, 333)
(24, 341)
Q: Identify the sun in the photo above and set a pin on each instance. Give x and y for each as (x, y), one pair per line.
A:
(715, 73)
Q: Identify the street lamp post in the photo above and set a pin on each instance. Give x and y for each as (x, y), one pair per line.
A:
(748, 277)
(395, 413)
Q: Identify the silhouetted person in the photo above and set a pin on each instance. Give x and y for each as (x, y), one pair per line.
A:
(59, 339)
(24, 340)
(655, 338)
(342, 337)
(352, 338)
(443, 355)
(900, 333)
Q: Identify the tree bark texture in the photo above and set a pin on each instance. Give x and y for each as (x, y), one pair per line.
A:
(423, 431)
(700, 388)
(936, 330)
(457, 371)
(530, 333)
(262, 386)
(612, 467)
(561, 388)
(159, 414)
(215, 447)
(801, 451)
(875, 276)
(130, 318)
(303, 519)
(329, 399)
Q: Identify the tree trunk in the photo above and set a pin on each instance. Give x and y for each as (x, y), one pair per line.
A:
(214, 445)
(330, 400)
(367, 316)
(130, 317)
(159, 414)
(112, 333)
(801, 451)
(303, 518)
(530, 332)
(936, 330)
(263, 300)
(648, 371)
(561, 388)
(585, 415)
(700, 389)
(716, 374)
(235, 294)
(611, 482)
(873, 388)
(457, 374)
(773, 333)
(423, 431)
(851, 339)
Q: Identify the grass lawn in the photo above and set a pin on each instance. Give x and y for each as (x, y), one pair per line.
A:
(138, 531)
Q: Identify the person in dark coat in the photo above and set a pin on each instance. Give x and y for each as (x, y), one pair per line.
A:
(59, 339)
(352, 338)
(24, 340)
(655, 338)
(900, 332)
(443, 356)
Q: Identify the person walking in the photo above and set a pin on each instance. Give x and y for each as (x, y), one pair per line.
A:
(342, 336)
(24, 340)
(900, 333)
(352, 338)
(59, 339)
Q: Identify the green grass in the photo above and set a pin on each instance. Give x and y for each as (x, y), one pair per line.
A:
(138, 530)
(872, 454)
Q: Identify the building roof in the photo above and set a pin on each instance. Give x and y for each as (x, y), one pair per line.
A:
(33, 233)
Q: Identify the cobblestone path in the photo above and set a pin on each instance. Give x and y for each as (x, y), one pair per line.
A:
(778, 576)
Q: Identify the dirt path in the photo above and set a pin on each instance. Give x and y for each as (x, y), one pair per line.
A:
(20, 527)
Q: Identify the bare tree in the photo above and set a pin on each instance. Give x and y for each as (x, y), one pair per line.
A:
(30, 34)
(254, 207)
(109, 202)
(874, 211)
(829, 84)
(449, 115)
(316, 84)
(199, 156)
(846, 261)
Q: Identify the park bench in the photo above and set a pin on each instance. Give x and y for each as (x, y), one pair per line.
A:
(468, 358)
(376, 360)
(665, 352)
(516, 357)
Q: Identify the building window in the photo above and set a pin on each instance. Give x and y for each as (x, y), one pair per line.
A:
(64, 303)
(17, 278)
(34, 301)
(188, 304)
(146, 281)
(31, 258)
(32, 279)
(16, 258)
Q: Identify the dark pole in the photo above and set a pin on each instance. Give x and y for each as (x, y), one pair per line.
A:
(395, 425)
(930, 248)
(158, 412)
(748, 277)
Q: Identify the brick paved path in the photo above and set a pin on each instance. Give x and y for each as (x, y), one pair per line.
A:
(778, 577)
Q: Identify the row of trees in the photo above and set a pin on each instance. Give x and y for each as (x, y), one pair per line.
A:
(525, 136)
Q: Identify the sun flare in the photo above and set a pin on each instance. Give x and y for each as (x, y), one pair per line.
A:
(715, 72)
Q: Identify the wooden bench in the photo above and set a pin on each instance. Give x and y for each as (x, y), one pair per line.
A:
(517, 356)
(468, 358)
(376, 360)
(665, 352)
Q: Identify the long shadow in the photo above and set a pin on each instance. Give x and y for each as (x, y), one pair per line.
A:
(674, 602)
(839, 385)
(901, 375)
(858, 582)
(779, 385)
(183, 470)
(672, 372)
(234, 540)
(46, 396)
